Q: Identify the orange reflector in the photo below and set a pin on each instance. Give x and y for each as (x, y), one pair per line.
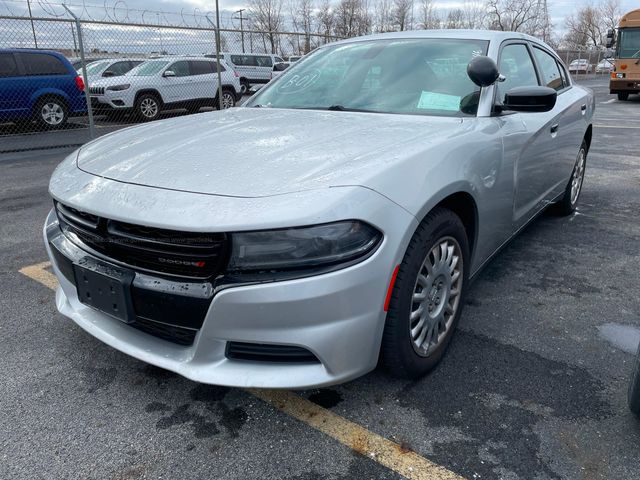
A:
(390, 291)
(623, 66)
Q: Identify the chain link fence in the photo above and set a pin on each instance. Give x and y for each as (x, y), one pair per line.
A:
(93, 76)
(583, 62)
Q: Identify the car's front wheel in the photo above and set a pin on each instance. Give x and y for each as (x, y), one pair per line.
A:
(148, 107)
(427, 297)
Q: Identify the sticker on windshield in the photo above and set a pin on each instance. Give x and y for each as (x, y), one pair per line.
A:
(439, 101)
(299, 82)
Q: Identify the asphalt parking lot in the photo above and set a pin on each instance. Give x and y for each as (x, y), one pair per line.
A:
(533, 386)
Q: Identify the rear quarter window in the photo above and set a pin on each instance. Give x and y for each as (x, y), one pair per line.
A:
(8, 66)
(43, 64)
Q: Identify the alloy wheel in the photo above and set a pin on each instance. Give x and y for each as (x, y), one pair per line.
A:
(52, 113)
(228, 100)
(149, 107)
(436, 296)
(578, 177)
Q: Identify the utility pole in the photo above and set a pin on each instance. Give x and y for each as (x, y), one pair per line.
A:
(33, 29)
(241, 26)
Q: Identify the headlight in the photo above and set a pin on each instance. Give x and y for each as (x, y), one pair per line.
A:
(118, 88)
(306, 247)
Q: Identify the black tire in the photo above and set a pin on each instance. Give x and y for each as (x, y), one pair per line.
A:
(634, 386)
(568, 204)
(398, 353)
(228, 99)
(623, 96)
(148, 107)
(51, 113)
(244, 86)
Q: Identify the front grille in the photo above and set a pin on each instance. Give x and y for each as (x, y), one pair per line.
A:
(185, 254)
(261, 352)
(96, 90)
(171, 333)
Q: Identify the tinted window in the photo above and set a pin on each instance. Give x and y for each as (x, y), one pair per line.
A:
(244, 60)
(517, 67)
(43, 64)
(181, 69)
(407, 76)
(278, 59)
(201, 67)
(564, 75)
(264, 62)
(119, 68)
(629, 43)
(549, 69)
(147, 69)
(8, 67)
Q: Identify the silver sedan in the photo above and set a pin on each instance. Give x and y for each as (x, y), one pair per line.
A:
(331, 224)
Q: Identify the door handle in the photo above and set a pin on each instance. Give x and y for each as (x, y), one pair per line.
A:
(583, 107)
(554, 128)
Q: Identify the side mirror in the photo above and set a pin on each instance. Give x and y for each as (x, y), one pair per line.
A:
(169, 73)
(108, 73)
(530, 99)
(611, 38)
(483, 71)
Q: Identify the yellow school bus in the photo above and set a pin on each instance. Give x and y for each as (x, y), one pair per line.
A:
(625, 77)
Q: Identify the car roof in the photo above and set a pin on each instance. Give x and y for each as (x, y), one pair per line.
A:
(489, 35)
(31, 50)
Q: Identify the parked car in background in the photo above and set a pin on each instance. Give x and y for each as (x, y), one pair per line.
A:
(166, 83)
(253, 68)
(580, 66)
(278, 68)
(77, 62)
(294, 58)
(111, 67)
(39, 85)
(332, 224)
(605, 66)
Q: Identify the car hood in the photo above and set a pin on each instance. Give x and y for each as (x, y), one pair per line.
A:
(256, 152)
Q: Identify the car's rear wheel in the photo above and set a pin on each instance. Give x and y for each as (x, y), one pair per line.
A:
(623, 96)
(427, 297)
(569, 201)
(51, 113)
(634, 386)
(228, 100)
(148, 107)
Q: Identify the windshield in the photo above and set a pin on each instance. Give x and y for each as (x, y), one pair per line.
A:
(408, 76)
(96, 67)
(629, 44)
(147, 69)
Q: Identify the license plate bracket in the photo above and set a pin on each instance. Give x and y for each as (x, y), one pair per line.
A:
(105, 288)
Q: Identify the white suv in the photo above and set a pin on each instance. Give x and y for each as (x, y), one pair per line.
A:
(165, 83)
(253, 68)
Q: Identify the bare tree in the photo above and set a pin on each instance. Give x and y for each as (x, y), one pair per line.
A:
(302, 18)
(514, 15)
(455, 18)
(267, 16)
(588, 26)
(429, 18)
(352, 18)
(402, 14)
(326, 18)
(383, 21)
(474, 14)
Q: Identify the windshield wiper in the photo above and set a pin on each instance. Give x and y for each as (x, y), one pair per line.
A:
(337, 108)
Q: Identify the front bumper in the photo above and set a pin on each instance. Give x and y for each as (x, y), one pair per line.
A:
(336, 316)
(624, 85)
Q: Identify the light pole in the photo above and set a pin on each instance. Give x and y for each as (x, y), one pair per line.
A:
(33, 29)
(241, 27)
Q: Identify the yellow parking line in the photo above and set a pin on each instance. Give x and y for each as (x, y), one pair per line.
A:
(390, 454)
(38, 273)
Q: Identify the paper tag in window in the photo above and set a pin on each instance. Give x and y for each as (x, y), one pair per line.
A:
(439, 101)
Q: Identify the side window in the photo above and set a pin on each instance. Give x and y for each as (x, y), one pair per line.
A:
(278, 59)
(200, 68)
(119, 68)
(214, 67)
(133, 64)
(517, 67)
(564, 75)
(264, 62)
(8, 67)
(243, 60)
(549, 69)
(181, 69)
(43, 64)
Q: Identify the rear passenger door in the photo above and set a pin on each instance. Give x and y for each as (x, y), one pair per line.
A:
(568, 113)
(47, 74)
(245, 66)
(13, 89)
(264, 67)
(205, 78)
